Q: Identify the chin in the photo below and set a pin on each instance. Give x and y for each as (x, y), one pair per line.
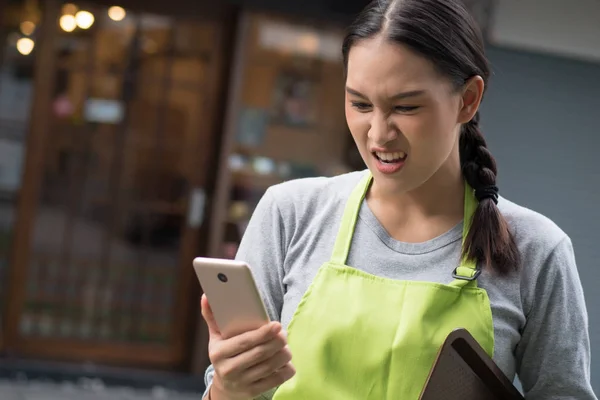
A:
(395, 183)
(399, 183)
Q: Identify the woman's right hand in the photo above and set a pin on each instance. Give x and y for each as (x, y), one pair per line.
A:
(249, 364)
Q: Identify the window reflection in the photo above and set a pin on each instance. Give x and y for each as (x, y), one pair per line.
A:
(291, 120)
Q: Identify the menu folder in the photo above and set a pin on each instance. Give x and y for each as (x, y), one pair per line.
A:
(463, 371)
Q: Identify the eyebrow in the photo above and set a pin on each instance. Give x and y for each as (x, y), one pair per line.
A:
(398, 96)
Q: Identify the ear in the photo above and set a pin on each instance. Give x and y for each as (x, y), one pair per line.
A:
(472, 93)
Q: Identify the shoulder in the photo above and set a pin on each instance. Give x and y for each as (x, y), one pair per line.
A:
(310, 204)
(547, 255)
(535, 234)
(303, 195)
(547, 259)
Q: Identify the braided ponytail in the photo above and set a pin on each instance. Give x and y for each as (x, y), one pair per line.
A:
(489, 241)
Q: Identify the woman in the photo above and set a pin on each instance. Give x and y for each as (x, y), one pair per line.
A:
(368, 272)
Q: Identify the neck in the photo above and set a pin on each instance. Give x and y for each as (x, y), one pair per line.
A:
(425, 212)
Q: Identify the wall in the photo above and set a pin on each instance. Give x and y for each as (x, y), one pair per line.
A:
(541, 119)
(568, 28)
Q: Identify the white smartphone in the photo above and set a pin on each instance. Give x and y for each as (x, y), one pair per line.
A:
(232, 293)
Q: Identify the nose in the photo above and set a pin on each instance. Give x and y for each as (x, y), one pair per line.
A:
(382, 129)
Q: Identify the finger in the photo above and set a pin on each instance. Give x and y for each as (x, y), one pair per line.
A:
(268, 367)
(208, 316)
(272, 381)
(246, 341)
(236, 367)
(263, 352)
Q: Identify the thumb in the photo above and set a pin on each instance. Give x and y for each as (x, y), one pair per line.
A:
(208, 316)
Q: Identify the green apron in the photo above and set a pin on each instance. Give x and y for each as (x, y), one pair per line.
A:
(359, 336)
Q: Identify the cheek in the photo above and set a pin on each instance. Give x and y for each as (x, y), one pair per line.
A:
(358, 124)
(418, 130)
(430, 137)
(426, 125)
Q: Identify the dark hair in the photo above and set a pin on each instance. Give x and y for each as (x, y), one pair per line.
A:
(444, 32)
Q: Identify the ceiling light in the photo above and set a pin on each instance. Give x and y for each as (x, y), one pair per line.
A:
(69, 9)
(84, 19)
(25, 46)
(27, 27)
(117, 13)
(67, 23)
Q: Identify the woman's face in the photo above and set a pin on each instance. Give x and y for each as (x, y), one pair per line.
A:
(404, 116)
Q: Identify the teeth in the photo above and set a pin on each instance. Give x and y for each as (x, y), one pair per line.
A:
(398, 155)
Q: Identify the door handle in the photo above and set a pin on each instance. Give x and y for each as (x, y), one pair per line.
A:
(195, 215)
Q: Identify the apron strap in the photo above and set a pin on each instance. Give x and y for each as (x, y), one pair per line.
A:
(465, 274)
(341, 248)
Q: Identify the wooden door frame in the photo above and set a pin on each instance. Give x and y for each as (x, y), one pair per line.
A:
(187, 291)
(214, 104)
(28, 198)
(3, 8)
(223, 176)
(3, 13)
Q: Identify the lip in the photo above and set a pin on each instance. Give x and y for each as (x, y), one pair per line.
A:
(383, 150)
(387, 168)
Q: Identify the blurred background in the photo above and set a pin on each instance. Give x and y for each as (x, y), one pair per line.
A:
(136, 136)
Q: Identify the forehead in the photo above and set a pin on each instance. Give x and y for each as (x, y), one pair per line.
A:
(377, 63)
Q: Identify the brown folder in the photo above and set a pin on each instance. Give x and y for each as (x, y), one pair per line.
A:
(464, 371)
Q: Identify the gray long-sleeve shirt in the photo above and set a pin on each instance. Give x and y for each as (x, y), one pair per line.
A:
(540, 317)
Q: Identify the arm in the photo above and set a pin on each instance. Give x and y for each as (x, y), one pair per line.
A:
(553, 356)
(263, 248)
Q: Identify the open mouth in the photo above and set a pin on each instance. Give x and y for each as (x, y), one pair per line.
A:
(390, 158)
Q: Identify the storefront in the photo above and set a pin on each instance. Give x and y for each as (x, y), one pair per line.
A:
(133, 139)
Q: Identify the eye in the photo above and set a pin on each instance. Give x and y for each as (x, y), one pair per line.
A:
(360, 106)
(406, 109)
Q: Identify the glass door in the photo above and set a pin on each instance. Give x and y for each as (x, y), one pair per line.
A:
(103, 261)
